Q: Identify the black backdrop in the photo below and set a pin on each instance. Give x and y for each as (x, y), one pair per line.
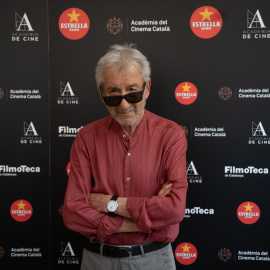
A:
(37, 131)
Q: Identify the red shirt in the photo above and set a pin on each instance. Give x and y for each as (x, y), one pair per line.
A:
(101, 162)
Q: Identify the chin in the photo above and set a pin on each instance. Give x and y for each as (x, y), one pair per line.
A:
(126, 122)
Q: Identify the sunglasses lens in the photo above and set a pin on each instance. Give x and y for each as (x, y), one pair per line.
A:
(113, 101)
(134, 97)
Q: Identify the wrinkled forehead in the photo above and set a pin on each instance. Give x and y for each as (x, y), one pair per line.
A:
(128, 75)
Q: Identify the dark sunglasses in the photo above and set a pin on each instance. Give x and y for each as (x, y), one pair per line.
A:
(130, 98)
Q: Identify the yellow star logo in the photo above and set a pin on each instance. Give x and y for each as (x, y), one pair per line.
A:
(21, 205)
(206, 14)
(186, 88)
(74, 16)
(248, 207)
(185, 248)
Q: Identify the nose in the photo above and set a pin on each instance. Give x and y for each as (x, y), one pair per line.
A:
(124, 104)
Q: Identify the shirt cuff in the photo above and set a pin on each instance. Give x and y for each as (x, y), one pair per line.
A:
(108, 226)
(137, 210)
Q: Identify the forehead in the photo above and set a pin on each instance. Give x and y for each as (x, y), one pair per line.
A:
(118, 78)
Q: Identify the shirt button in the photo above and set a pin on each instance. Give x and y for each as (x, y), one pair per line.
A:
(128, 178)
(129, 154)
(124, 136)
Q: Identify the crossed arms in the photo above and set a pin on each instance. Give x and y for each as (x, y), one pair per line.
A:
(99, 201)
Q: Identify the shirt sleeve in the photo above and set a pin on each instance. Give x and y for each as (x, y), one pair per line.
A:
(158, 213)
(78, 215)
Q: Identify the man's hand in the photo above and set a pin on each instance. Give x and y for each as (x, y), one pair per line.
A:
(99, 201)
(165, 190)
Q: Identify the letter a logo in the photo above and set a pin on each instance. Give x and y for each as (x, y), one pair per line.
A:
(22, 23)
(67, 250)
(29, 130)
(255, 20)
(191, 170)
(258, 130)
(66, 90)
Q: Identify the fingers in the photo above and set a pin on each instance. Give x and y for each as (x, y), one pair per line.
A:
(165, 190)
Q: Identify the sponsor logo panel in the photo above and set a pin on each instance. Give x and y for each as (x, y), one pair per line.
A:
(215, 132)
(259, 135)
(74, 23)
(20, 94)
(24, 30)
(255, 27)
(242, 255)
(68, 255)
(206, 22)
(242, 93)
(30, 134)
(224, 254)
(186, 253)
(67, 95)
(25, 252)
(198, 211)
(117, 25)
(21, 210)
(192, 174)
(186, 93)
(66, 131)
(237, 172)
(7, 170)
(248, 212)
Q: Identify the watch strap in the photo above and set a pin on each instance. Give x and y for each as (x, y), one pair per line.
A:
(114, 198)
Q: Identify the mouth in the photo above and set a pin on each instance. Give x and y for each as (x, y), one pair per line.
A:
(125, 112)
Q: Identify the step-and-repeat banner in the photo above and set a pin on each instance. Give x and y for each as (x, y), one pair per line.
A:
(210, 63)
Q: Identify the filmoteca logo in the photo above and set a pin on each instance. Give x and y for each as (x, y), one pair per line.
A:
(198, 211)
(6, 170)
(248, 212)
(30, 134)
(206, 22)
(67, 95)
(186, 253)
(24, 29)
(21, 210)
(74, 23)
(186, 93)
(256, 28)
(67, 132)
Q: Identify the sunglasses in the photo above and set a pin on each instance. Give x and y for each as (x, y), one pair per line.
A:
(130, 98)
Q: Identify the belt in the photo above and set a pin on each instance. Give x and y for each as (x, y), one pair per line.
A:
(122, 251)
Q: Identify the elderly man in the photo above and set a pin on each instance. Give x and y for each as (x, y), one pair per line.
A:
(126, 192)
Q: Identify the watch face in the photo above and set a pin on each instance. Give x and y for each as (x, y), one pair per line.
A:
(112, 206)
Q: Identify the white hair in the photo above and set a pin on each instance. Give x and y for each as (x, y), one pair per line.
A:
(120, 57)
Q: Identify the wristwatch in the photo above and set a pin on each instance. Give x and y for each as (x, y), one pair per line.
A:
(112, 205)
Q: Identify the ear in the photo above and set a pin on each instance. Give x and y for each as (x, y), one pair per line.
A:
(147, 88)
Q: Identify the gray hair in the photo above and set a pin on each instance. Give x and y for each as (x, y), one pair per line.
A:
(120, 57)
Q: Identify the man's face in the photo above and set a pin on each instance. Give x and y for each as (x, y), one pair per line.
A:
(117, 83)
